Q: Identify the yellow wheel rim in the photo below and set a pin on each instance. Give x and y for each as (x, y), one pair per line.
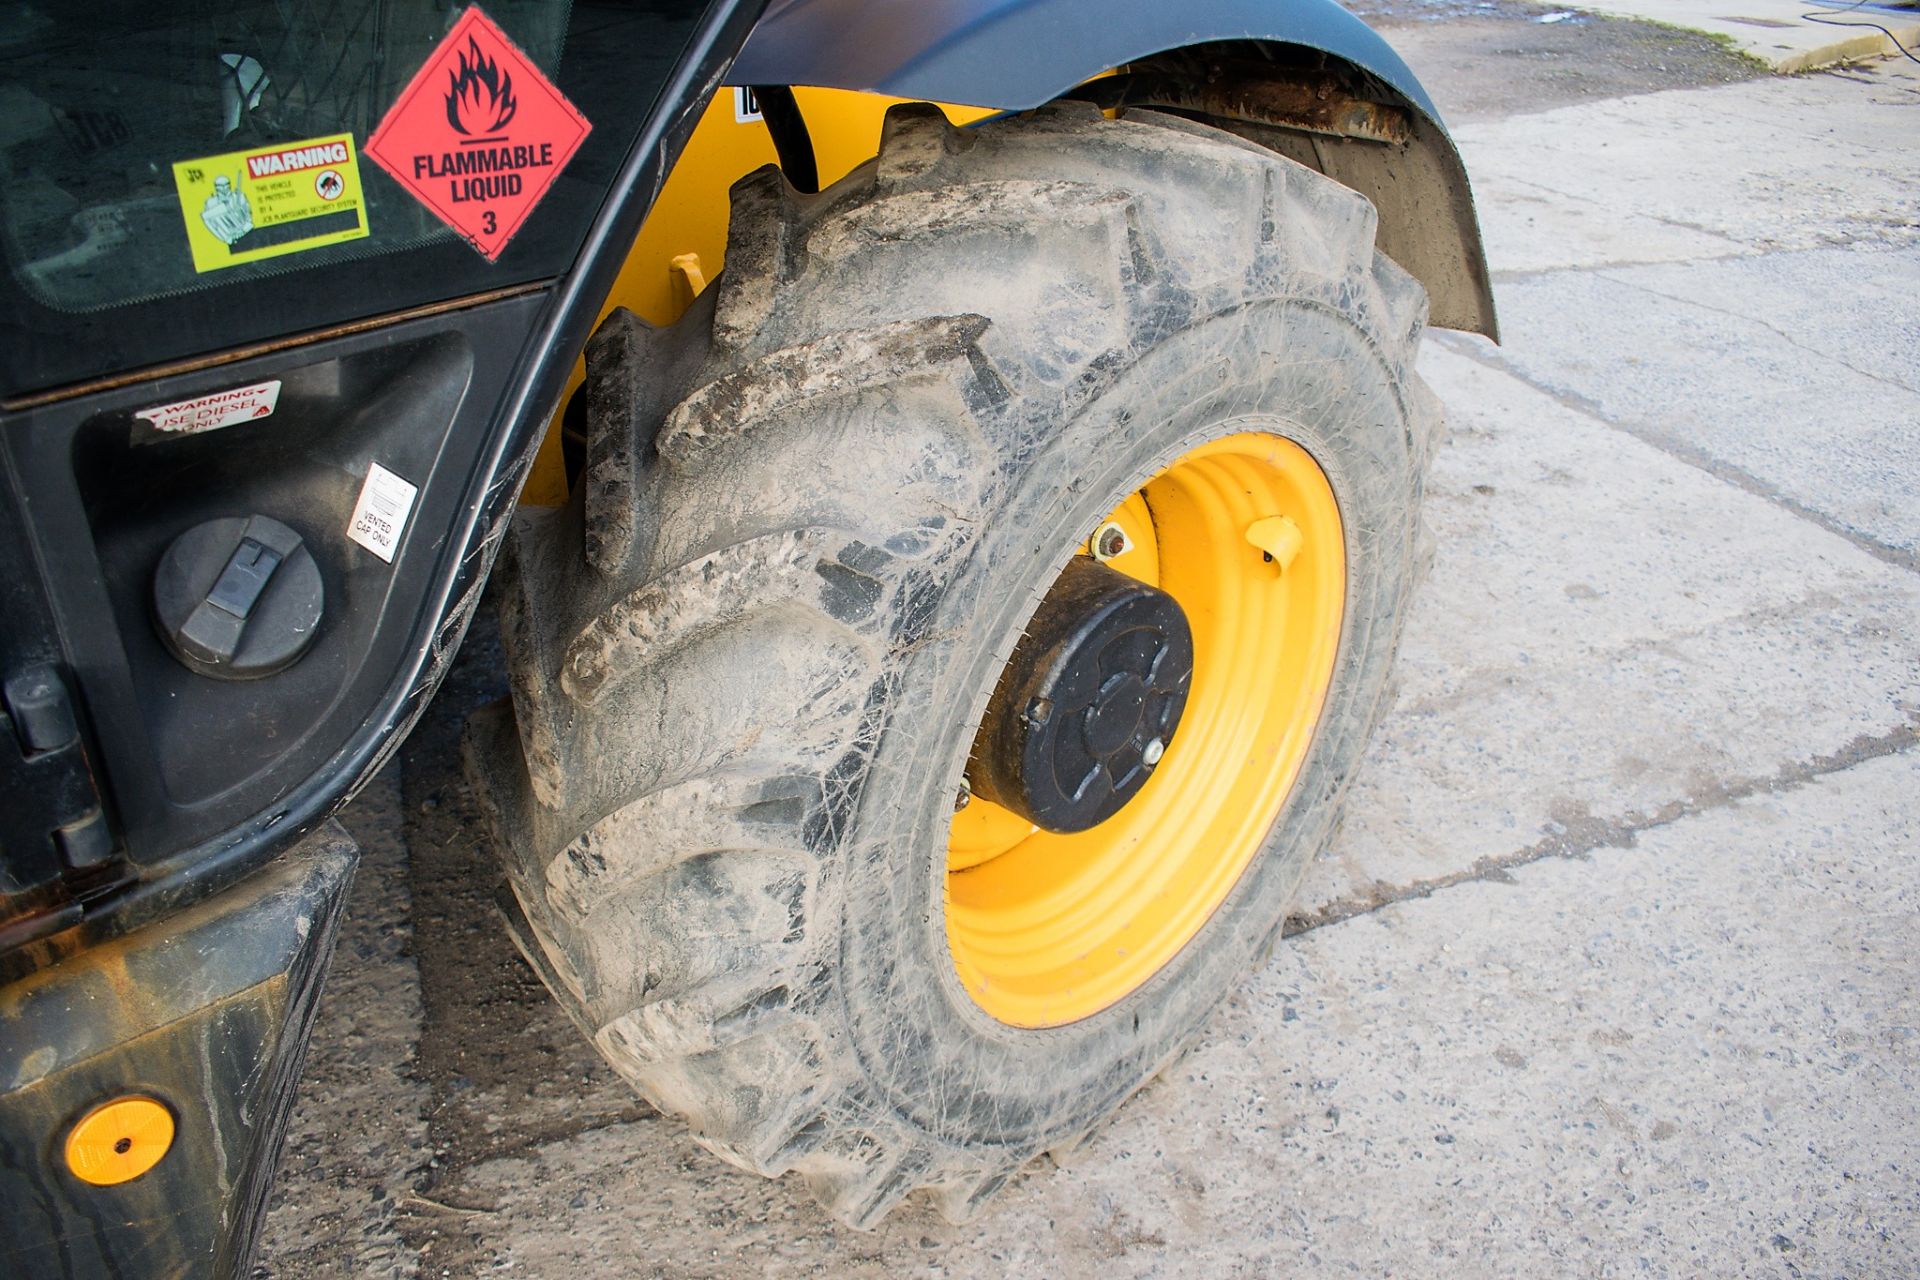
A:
(1047, 929)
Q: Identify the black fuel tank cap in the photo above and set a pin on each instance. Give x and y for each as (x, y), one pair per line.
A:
(238, 598)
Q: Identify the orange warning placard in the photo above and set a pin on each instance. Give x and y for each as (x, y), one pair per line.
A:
(478, 134)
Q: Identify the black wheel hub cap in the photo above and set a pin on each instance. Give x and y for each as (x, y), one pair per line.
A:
(1088, 702)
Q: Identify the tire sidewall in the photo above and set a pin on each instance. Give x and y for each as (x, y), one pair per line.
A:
(1294, 367)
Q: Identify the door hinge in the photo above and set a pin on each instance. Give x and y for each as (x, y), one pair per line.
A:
(51, 815)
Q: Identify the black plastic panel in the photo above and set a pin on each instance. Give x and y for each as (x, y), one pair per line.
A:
(457, 394)
(208, 1015)
(186, 755)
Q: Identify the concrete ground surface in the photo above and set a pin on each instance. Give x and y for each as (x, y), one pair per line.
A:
(1612, 968)
(1786, 35)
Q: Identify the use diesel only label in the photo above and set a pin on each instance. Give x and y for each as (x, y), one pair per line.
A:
(247, 205)
(211, 412)
(479, 134)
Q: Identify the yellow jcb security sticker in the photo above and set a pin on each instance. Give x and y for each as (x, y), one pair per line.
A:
(248, 205)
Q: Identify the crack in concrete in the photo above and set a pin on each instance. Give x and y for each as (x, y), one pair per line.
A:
(1521, 275)
(1893, 242)
(533, 1139)
(1585, 836)
(1475, 683)
(1679, 224)
(1775, 330)
(1466, 345)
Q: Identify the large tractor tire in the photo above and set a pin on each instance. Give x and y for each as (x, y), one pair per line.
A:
(968, 621)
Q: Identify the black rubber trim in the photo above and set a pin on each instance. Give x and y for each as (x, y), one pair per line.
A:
(791, 141)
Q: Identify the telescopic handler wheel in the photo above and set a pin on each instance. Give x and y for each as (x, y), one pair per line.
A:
(968, 621)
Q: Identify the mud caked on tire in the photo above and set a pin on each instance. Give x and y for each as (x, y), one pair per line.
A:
(748, 661)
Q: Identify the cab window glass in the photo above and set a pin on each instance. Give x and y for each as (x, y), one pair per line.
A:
(184, 176)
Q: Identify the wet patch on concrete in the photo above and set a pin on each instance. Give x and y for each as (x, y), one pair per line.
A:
(507, 1071)
(1481, 60)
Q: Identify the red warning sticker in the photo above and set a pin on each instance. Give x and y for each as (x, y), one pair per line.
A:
(221, 409)
(478, 134)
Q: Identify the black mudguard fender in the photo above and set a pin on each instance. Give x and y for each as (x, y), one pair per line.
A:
(1017, 54)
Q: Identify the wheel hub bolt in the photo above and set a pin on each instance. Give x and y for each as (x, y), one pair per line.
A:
(1110, 540)
(1151, 753)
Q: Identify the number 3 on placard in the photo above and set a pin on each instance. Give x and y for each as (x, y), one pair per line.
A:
(491, 226)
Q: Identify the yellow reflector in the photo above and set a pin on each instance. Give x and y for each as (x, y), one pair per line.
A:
(119, 1141)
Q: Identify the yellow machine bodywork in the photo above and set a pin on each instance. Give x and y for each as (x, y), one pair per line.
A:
(683, 243)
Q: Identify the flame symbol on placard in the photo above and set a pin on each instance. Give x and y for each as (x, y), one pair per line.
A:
(480, 99)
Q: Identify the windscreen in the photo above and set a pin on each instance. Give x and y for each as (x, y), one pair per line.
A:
(180, 177)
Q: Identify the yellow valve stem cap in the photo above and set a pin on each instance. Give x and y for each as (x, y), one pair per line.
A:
(120, 1140)
(1279, 537)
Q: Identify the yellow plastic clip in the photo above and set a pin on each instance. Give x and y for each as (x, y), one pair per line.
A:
(1278, 536)
(689, 278)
